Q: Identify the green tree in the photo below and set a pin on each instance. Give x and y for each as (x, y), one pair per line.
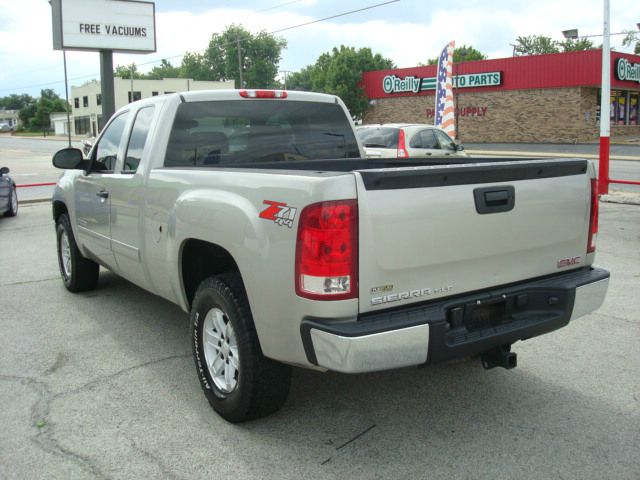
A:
(630, 37)
(36, 115)
(195, 65)
(539, 44)
(259, 57)
(164, 70)
(535, 45)
(124, 71)
(462, 54)
(339, 72)
(16, 102)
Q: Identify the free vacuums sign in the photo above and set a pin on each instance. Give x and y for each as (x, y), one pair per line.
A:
(625, 70)
(118, 25)
(395, 84)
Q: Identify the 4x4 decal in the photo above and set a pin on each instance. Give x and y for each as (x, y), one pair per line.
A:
(279, 212)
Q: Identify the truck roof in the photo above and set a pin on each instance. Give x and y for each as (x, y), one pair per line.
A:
(207, 95)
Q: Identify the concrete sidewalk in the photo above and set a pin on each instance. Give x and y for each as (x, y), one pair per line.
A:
(550, 150)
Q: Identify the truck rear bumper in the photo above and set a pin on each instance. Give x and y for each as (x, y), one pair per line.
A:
(455, 327)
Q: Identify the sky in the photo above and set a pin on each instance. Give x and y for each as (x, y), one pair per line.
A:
(406, 31)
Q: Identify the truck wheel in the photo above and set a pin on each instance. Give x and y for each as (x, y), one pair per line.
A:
(13, 204)
(238, 380)
(79, 274)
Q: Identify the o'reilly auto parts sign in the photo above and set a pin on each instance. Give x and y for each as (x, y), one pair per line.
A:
(411, 84)
(625, 70)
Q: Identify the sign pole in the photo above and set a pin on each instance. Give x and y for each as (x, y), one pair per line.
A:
(106, 85)
(66, 92)
(605, 104)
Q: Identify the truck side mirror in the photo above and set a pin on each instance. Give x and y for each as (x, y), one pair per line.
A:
(69, 159)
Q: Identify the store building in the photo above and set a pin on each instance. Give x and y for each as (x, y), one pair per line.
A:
(551, 98)
(86, 100)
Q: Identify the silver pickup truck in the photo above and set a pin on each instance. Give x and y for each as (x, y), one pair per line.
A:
(255, 211)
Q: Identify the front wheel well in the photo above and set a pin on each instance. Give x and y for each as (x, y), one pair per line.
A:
(58, 209)
(201, 260)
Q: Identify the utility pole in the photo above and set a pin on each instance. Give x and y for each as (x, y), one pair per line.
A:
(285, 73)
(239, 63)
(131, 76)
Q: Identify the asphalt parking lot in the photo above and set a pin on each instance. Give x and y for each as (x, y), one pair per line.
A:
(102, 385)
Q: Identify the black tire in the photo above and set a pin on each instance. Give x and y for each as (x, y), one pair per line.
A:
(13, 203)
(261, 385)
(80, 274)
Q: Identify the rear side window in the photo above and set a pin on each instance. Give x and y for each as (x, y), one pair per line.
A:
(138, 139)
(232, 132)
(379, 137)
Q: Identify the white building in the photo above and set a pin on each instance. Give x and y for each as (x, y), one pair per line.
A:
(10, 117)
(86, 100)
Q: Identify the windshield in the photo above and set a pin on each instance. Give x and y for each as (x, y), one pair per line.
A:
(378, 137)
(232, 132)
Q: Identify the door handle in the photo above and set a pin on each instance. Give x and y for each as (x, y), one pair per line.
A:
(102, 194)
(494, 199)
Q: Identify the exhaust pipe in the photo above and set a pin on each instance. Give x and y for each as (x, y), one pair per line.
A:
(501, 356)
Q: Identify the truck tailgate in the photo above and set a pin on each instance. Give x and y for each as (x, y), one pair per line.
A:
(434, 231)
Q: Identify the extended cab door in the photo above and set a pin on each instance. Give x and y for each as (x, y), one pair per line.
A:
(91, 193)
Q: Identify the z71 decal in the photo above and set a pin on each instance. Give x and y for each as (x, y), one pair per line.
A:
(279, 212)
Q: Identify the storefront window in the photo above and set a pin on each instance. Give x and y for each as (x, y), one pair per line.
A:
(633, 109)
(624, 107)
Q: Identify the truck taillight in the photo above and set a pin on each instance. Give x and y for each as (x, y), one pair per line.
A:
(402, 148)
(263, 94)
(327, 251)
(593, 217)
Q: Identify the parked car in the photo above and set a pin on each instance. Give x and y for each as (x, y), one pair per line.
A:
(8, 195)
(398, 140)
(5, 127)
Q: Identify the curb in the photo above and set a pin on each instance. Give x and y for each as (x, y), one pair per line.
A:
(626, 198)
(31, 201)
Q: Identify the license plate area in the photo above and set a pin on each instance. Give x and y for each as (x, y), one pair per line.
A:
(505, 310)
(479, 316)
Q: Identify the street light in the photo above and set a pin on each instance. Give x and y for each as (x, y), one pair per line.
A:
(570, 34)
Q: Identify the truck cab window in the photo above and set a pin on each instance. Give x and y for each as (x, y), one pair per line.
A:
(138, 139)
(106, 151)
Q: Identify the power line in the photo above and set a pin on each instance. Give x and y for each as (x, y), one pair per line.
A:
(224, 45)
(273, 8)
(336, 16)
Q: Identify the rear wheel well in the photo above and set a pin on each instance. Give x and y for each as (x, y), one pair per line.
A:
(201, 260)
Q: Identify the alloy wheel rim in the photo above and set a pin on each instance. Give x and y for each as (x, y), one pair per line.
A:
(221, 350)
(65, 254)
(14, 202)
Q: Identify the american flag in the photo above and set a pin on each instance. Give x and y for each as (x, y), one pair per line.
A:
(445, 116)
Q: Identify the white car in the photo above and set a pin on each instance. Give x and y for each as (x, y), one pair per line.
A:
(399, 140)
(5, 127)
